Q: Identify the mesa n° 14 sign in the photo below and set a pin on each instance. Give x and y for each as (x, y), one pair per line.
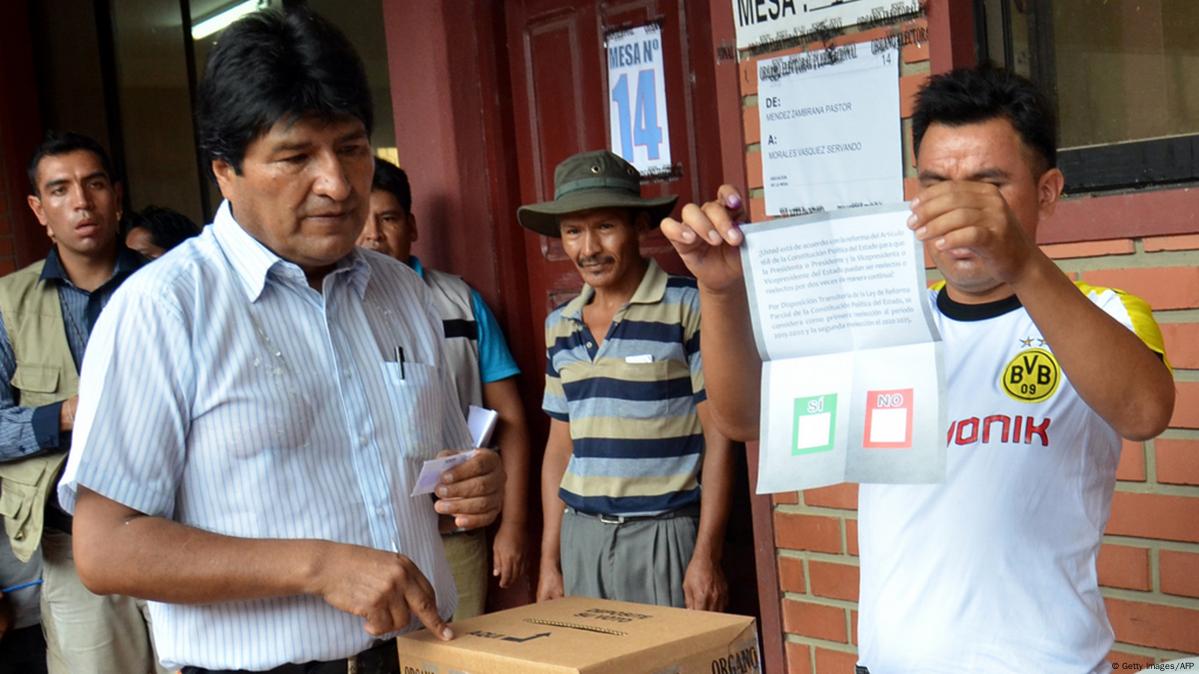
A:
(637, 123)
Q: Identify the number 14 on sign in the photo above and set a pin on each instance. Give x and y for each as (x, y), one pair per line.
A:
(637, 120)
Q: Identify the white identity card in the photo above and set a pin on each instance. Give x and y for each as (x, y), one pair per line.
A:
(852, 379)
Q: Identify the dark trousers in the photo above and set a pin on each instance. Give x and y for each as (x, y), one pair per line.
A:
(23, 651)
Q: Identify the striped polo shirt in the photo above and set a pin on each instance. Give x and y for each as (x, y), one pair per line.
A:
(630, 401)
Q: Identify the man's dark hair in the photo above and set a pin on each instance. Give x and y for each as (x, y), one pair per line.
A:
(391, 178)
(56, 144)
(969, 95)
(274, 66)
(168, 228)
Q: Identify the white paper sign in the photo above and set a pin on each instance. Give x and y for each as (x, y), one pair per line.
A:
(852, 379)
(830, 130)
(761, 22)
(637, 120)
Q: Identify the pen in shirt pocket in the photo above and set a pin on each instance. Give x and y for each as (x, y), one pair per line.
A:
(399, 358)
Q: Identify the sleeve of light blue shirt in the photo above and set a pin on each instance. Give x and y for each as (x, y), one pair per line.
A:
(136, 394)
(495, 361)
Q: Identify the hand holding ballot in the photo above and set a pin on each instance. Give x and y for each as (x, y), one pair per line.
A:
(968, 223)
(472, 492)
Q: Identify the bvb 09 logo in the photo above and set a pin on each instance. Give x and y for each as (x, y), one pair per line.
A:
(1032, 376)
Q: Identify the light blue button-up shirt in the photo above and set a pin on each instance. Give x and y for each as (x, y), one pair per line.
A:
(221, 391)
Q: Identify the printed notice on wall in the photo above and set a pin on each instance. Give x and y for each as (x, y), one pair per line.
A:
(852, 378)
(638, 128)
(760, 22)
(830, 129)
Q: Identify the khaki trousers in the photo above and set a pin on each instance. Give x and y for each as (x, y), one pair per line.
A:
(467, 554)
(87, 633)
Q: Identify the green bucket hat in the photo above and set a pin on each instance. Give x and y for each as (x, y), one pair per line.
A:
(598, 179)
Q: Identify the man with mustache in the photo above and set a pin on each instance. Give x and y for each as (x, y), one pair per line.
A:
(48, 311)
(255, 407)
(625, 515)
(484, 374)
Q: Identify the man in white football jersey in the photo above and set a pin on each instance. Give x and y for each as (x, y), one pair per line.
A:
(994, 569)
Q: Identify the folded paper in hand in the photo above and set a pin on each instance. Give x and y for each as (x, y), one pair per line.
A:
(431, 470)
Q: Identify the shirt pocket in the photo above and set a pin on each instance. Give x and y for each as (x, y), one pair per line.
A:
(417, 400)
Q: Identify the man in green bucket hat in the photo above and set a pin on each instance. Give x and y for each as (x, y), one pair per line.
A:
(625, 517)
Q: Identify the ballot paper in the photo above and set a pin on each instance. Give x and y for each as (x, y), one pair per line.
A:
(482, 424)
(431, 470)
(852, 376)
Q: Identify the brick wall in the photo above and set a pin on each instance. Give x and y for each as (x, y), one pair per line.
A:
(1149, 562)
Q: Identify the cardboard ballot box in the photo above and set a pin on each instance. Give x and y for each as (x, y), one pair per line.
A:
(588, 636)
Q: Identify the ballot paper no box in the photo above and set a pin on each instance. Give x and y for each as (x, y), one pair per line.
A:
(576, 635)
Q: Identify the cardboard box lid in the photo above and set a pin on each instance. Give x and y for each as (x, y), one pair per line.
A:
(577, 634)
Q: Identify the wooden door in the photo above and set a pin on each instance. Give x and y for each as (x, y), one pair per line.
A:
(560, 106)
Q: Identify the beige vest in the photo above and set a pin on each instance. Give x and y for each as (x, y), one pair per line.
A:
(45, 374)
(451, 295)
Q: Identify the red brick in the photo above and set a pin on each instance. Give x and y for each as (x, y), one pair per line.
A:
(843, 496)
(1158, 516)
(757, 210)
(835, 581)
(1124, 566)
(1154, 625)
(1128, 661)
(753, 170)
(1177, 461)
(834, 662)
(791, 575)
(917, 51)
(752, 124)
(1182, 344)
(1132, 462)
(814, 620)
(1154, 244)
(1089, 248)
(909, 154)
(807, 532)
(749, 77)
(1161, 287)
(799, 658)
(785, 498)
(853, 627)
(1186, 405)
(1179, 572)
(908, 87)
(851, 537)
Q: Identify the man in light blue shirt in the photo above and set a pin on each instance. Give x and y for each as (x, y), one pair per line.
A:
(254, 408)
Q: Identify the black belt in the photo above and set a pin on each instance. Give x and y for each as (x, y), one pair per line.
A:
(686, 511)
(383, 658)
